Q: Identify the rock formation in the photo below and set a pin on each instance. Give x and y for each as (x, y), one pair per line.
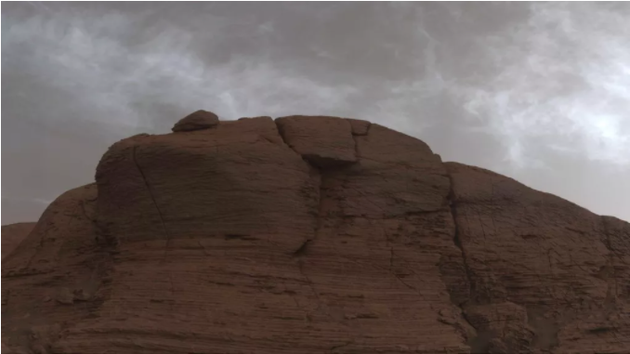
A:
(312, 235)
(198, 120)
(13, 234)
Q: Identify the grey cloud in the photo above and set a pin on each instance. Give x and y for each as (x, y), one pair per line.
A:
(564, 76)
(520, 88)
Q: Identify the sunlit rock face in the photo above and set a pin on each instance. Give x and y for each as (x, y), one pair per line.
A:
(312, 235)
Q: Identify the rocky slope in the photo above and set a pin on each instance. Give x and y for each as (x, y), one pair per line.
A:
(312, 235)
(13, 234)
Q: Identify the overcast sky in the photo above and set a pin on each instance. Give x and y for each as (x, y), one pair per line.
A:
(537, 91)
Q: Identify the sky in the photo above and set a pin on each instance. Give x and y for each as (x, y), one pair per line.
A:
(536, 91)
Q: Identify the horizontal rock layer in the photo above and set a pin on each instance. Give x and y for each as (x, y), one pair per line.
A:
(14, 234)
(312, 235)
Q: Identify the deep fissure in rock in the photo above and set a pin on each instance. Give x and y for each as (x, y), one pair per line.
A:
(458, 243)
(302, 249)
(453, 211)
(457, 240)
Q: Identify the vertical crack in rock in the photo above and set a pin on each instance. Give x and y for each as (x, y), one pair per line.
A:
(320, 205)
(456, 238)
(310, 284)
(146, 183)
(612, 272)
(318, 216)
(356, 147)
(84, 212)
(302, 249)
(356, 142)
(458, 243)
(284, 139)
(99, 236)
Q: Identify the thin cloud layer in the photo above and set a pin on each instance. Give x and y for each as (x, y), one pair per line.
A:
(518, 88)
(564, 76)
(137, 86)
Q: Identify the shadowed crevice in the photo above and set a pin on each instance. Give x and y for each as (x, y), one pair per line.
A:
(281, 132)
(458, 243)
(457, 237)
(356, 142)
(302, 249)
(318, 159)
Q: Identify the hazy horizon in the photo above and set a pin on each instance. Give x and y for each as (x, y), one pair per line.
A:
(539, 92)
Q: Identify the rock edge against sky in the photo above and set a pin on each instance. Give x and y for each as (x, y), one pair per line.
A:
(307, 235)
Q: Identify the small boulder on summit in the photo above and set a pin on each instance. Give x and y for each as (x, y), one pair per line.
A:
(196, 121)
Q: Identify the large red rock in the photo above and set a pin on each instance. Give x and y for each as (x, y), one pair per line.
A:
(323, 141)
(564, 270)
(14, 234)
(312, 235)
(57, 276)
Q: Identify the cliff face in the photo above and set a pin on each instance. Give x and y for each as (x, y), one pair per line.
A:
(312, 235)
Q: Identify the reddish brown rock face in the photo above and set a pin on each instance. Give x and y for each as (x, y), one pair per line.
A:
(312, 235)
(198, 120)
(543, 257)
(57, 276)
(323, 141)
(14, 234)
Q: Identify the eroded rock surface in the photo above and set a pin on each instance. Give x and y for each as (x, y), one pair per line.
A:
(312, 235)
(197, 120)
(14, 234)
(57, 276)
(323, 141)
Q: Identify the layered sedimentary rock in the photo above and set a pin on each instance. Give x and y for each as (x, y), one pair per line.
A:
(312, 235)
(14, 234)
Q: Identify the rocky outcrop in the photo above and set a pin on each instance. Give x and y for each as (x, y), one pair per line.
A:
(551, 265)
(198, 120)
(13, 234)
(323, 141)
(312, 235)
(56, 277)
